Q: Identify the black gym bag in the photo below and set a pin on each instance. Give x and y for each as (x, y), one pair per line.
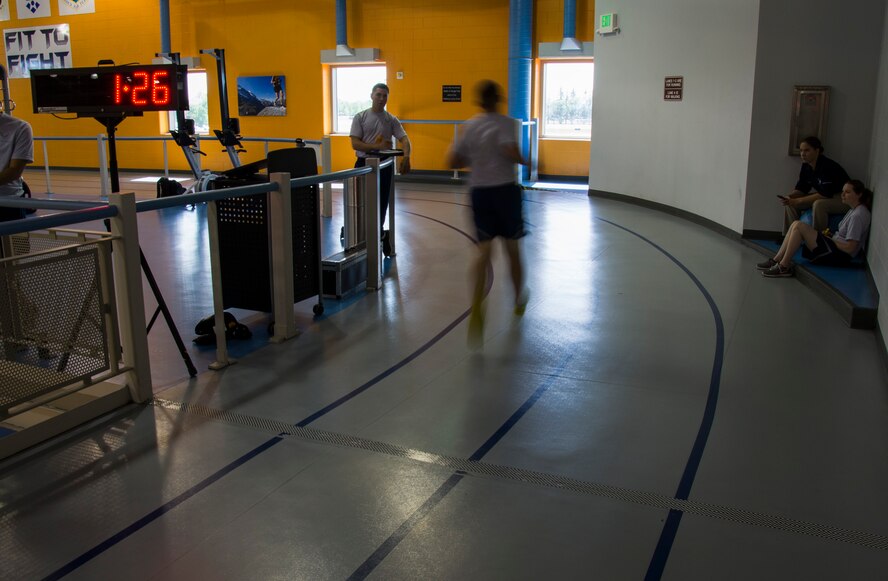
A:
(167, 187)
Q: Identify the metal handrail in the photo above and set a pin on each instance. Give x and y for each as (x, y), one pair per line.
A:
(251, 190)
(101, 138)
(41, 204)
(57, 220)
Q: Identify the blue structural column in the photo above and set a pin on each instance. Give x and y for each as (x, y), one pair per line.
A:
(520, 67)
(165, 26)
(570, 18)
(341, 26)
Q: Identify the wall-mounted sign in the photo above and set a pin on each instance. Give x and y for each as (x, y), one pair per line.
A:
(41, 47)
(809, 108)
(673, 88)
(31, 9)
(451, 93)
(607, 23)
(76, 7)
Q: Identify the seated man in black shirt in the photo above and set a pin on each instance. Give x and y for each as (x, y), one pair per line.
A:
(820, 183)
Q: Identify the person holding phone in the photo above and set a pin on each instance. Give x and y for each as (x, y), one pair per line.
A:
(819, 185)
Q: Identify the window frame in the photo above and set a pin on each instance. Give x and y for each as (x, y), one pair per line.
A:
(543, 105)
(334, 92)
(171, 115)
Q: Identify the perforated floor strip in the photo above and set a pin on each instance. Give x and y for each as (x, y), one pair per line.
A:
(484, 469)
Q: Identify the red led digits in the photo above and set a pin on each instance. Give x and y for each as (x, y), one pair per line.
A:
(117, 84)
(159, 93)
(160, 90)
(137, 97)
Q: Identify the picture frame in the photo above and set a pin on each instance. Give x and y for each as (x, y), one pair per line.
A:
(810, 105)
(262, 96)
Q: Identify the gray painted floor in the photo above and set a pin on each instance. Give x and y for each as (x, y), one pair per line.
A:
(379, 444)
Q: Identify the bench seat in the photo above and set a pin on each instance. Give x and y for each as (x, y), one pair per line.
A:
(850, 289)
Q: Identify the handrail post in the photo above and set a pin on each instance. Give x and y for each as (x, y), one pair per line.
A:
(390, 212)
(280, 215)
(371, 217)
(326, 167)
(166, 160)
(222, 359)
(46, 168)
(266, 149)
(349, 209)
(104, 174)
(128, 288)
(197, 157)
(455, 137)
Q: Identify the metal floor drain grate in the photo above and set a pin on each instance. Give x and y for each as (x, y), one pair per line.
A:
(861, 538)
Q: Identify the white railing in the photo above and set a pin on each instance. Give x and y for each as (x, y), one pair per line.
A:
(322, 146)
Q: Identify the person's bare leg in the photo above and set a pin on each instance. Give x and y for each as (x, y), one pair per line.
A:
(479, 274)
(782, 251)
(516, 267)
(800, 234)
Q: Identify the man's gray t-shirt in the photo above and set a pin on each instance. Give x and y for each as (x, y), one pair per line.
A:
(16, 142)
(369, 126)
(481, 148)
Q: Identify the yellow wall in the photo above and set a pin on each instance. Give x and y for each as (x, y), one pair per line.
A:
(434, 43)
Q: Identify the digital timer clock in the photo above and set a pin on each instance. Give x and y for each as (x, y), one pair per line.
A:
(113, 90)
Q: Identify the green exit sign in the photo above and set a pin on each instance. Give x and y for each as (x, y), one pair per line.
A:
(607, 23)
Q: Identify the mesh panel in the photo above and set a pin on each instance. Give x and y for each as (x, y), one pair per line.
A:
(52, 328)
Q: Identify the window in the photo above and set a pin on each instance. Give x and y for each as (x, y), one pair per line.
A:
(197, 103)
(351, 89)
(567, 99)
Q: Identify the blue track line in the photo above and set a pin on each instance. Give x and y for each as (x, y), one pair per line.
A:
(160, 511)
(373, 561)
(673, 520)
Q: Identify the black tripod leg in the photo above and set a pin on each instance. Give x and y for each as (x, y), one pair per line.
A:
(161, 304)
(153, 319)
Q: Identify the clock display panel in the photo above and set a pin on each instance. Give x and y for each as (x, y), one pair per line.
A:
(110, 90)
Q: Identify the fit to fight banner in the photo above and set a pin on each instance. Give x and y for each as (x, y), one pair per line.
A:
(41, 47)
(32, 9)
(67, 7)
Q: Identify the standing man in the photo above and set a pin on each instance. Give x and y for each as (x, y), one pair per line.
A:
(16, 151)
(371, 131)
(489, 146)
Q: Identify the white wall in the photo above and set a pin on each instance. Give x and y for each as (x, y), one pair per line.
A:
(692, 154)
(810, 42)
(877, 252)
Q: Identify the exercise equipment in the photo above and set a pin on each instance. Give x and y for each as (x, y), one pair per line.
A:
(244, 235)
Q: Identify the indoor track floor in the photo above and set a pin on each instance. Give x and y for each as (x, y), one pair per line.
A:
(660, 411)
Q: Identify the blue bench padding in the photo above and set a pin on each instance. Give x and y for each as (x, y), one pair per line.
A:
(853, 281)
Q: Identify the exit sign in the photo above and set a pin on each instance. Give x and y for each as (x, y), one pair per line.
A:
(607, 23)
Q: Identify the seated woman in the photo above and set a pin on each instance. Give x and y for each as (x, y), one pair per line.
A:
(824, 247)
